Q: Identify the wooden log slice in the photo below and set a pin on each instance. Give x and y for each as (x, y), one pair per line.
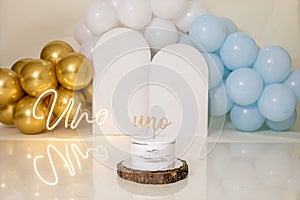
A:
(153, 177)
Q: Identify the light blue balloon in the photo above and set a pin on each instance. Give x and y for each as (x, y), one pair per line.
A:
(293, 82)
(246, 118)
(273, 64)
(226, 73)
(283, 125)
(185, 39)
(239, 50)
(244, 86)
(217, 52)
(219, 104)
(208, 32)
(216, 69)
(230, 26)
(277, 102)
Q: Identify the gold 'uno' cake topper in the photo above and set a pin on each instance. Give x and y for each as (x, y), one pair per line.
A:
(153, 159)
(151, 122)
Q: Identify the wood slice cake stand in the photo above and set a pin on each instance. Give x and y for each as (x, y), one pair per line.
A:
(179, 172)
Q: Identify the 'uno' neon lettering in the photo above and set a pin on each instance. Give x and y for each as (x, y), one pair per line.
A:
(100, 152)
(100, 117)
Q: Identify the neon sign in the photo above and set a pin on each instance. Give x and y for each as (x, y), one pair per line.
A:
(100, 152)
(100, 117)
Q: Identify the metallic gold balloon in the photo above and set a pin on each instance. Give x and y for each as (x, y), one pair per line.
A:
(6, 114)
(88, 109)
(38, 76)
(63, 97)
(10, 88)
(74, 71)
(55, 50)
(88, 93)
(18, 66)
(24, 118)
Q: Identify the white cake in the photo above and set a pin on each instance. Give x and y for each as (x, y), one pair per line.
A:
(153, 154)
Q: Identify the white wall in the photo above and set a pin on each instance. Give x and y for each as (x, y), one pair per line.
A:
(26, 25)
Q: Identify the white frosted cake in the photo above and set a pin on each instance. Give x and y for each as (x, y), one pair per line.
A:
(153, 154)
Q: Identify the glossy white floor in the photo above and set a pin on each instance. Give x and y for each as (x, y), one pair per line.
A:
(26, 171)
(52, 166)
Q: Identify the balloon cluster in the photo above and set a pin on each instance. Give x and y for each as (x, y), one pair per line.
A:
(159, 21)
(59, 68)
(256, 85)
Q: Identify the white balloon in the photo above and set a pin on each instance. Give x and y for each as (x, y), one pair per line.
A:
(100, 17)
(134, 13)
(160, 33)
(114, 3)
(245, 150)
(193, 10)
(82, 33)
(168, 9)
(241, 181)
(87, 48)
(273, 167)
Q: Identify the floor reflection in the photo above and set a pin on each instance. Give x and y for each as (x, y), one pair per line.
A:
(235, 171)
(18, 179)
(152, 192)
(254, 172)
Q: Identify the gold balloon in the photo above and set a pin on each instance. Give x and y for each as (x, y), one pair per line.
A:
(18, 66)
(24, 118)
(74, 71)
(47, 100)
(88, 93)
(63, 97)
(55, 50)
(6, 114)
(10, 88)
(38, 76)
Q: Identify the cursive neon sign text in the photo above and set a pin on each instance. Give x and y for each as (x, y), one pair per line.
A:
(100, 117)
(100, 153)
